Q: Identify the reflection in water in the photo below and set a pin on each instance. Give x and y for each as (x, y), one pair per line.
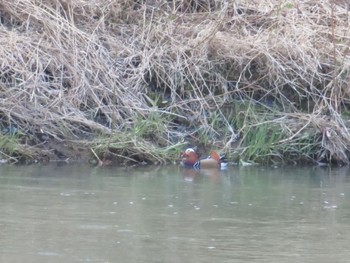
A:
(191, 174)
(167, 214)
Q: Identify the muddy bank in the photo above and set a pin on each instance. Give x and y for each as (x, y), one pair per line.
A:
(136, 82)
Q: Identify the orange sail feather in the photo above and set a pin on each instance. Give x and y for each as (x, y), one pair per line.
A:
(214, 155)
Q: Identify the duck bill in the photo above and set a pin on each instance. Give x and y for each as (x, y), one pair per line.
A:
(183, 155)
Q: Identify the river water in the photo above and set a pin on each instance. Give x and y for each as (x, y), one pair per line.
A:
(165, 214)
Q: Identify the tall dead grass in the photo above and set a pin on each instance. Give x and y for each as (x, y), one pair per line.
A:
(80, 73)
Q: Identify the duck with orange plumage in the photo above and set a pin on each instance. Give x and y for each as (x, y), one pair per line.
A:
(190, 158)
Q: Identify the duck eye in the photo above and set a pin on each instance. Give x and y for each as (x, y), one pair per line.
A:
(189, 150)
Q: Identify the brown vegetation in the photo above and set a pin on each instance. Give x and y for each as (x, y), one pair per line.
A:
(135, 80)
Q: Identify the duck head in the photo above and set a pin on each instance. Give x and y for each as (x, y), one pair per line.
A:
(190, 156)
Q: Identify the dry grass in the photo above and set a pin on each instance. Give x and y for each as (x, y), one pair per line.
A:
(81, 71)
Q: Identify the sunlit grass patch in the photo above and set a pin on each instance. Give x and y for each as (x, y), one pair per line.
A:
(14, 149)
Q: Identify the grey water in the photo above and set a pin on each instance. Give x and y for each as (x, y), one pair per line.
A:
(76, 213)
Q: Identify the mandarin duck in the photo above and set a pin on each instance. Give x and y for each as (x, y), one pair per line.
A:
(191, 159)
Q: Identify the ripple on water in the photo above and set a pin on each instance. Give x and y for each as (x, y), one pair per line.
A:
(330, 207)
(48, 253)
(94, 227)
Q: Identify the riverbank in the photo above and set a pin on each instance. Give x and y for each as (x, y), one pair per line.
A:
(122, 81)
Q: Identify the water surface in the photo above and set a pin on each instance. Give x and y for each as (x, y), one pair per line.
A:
(166, 214)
